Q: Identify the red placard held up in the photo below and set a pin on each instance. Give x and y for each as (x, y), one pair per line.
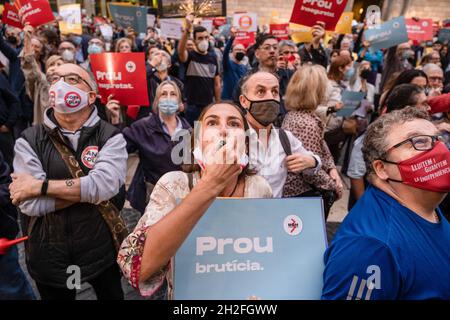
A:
(421, 30)
(11, 16)
(123, 75)
(35, 12)
(244, 38)
(280, 31)
(308, 12)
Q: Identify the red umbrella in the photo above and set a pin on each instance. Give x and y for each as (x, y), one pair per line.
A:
(5, 244)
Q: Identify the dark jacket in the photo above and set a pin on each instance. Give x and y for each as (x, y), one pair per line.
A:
(155, 147)
(315, 56)
(9, 104)
(8, 213)
(232, 72)
(77, 235)
(16, 80)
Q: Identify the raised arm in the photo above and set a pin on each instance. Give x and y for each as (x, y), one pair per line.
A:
(182, 52)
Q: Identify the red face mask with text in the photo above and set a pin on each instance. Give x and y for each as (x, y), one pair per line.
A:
(429, 170)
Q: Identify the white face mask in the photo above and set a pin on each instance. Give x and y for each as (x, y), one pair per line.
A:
(65, 98)
(202, 46)
(68, 56)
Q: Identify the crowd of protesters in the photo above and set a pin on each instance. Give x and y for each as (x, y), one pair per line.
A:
(64, 169)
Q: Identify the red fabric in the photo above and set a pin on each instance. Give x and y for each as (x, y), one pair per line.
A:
(132, 111)
(440, 103)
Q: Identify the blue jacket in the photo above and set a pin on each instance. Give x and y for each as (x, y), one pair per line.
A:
(375, 58)
(155, 147)
(9, 104)
(232, 72)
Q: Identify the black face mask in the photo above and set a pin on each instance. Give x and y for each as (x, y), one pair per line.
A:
(12, 40)
(264, 111)
(365, 74)
(239, 56)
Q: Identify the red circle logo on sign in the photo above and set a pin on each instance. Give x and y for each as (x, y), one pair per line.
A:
(72, 99)
(245, 22)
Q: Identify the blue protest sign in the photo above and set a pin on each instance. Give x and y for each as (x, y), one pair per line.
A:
(351, 101)
(444, 35)
(388, 34)
(254, 248)
(130, 16)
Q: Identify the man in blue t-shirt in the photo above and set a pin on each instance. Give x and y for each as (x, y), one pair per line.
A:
(202, 81)
(395, 242)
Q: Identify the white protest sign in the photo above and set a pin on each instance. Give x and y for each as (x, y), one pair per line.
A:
(171, 28)
(247, 22)
(151, 18)
(207, 24)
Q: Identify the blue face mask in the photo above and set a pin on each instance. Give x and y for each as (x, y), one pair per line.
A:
(93, 49)
(349, 74)
(168, 106)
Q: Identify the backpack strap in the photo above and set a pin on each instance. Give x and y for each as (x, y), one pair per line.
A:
(285, 143)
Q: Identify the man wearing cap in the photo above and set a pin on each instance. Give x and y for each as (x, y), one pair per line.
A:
(66, 171)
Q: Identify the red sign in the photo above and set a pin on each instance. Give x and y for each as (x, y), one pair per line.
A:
(35, 12)
(11, 16)
(421, 30)
(220, 21)
(309, 12)
(123, 75)
(244, 38)
(280, 31)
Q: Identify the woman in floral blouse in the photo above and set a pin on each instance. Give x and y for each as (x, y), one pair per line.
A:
(146, 254)
(306, 90)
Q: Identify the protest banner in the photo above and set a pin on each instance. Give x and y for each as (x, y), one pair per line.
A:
(71, 19)
(128, 16)
(207, 24)
(309, 12)
(34, 12)
(421, 30)
(300, 33)
(344, 25)
(106, 31)
(444, 35)
(224, 30)
(121, 74)
(171, 28)
(11, 16)
(254, 249)
(388, 34)
(219, 21)
(351, 101)
(151, 19)
(247, 21)
(280, 31)
(244, 38)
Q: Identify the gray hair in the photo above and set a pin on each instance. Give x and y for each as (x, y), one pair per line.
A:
(375, 142)
(286, 43)
(166, 55)
(431, 67)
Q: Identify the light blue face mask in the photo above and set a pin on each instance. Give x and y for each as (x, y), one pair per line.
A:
(349, 74)
(168, 106)
(93, 49)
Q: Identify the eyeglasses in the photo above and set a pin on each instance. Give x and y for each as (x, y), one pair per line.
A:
(420, 142)
(72, 79)
(268, 46)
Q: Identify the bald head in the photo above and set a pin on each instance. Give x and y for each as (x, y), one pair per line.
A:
(259, 79)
